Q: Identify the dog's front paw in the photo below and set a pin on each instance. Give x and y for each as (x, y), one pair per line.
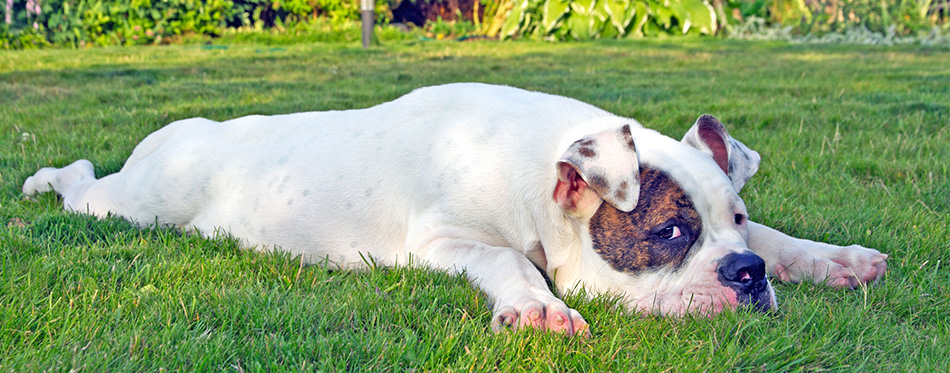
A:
(863, 265)
(555, 316)
(849, 266)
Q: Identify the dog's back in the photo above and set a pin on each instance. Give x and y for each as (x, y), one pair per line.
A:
(337, 183)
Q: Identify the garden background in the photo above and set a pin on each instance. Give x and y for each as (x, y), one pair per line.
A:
(39, 23)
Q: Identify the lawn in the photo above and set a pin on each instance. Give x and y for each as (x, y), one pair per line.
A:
(856, 149)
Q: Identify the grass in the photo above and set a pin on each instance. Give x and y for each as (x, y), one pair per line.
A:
(855, 146)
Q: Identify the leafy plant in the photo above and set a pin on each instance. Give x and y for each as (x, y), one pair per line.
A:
(26, 38)
(594, 19)
(40, 23)
(126, 22)
(903, 16)
(440, 29)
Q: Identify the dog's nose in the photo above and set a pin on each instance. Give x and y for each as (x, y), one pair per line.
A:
(745, 273)
(744, 270)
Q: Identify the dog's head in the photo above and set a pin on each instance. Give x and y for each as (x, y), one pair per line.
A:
(661, 220)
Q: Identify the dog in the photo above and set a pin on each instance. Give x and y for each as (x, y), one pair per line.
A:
(515, 189)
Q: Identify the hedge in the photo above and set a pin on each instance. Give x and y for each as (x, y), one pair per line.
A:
(37, 23)
(78, 23)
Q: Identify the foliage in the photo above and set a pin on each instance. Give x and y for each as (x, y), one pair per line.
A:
(28, 38)
(319, 30)
(758, 29)
(98, 22)
(261, 14)
(594, 19)
(128, 22)
(440, 29)
(906, 17)
(40, 23)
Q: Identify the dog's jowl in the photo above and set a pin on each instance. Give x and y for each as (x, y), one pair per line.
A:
(490, 180)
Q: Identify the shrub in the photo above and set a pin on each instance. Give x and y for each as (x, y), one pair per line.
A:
(35, 23)
(39, 23)
(823, 16)
(592, 19)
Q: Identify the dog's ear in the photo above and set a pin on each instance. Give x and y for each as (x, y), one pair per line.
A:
(602, 166)
(733, 157)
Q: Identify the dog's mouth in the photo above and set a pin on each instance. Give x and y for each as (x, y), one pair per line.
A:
(744, 273)
(706, 301)
(759, 297)
(709, 287)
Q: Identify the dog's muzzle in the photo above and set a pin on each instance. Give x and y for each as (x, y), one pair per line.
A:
(745, 274)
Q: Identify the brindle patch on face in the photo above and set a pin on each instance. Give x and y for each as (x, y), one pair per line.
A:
(634, 241)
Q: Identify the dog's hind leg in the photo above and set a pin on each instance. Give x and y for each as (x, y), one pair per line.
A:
(62, 180)
(71, 182)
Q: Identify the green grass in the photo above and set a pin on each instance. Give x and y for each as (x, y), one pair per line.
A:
(856, 148)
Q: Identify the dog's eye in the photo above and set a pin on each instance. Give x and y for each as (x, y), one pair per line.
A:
(670, 232)
(740, 219)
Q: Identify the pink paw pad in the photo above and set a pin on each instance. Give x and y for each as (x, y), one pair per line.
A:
(554, 317)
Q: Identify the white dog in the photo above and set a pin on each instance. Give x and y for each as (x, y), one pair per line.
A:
(494, 181)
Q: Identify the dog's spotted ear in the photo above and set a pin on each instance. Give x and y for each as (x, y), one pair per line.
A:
(602, 166)
(733, 157)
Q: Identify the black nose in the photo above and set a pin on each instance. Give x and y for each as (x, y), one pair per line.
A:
(745, 273)
(743, 270)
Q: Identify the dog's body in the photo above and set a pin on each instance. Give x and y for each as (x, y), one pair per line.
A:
(486, 179)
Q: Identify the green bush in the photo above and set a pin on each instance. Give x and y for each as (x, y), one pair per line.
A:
(128, 22)
(131, 21)
(261, 14)
(27, 38)
(40, 23)
(906, 17)
(593, 19)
